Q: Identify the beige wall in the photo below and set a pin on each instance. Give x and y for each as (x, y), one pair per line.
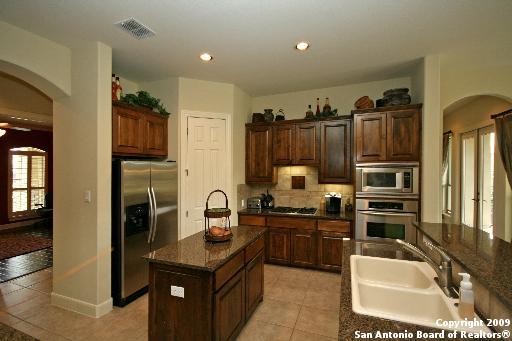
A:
(18, 95)
(129, 86)
(295, 104)
(29, 56)
(470, 116)
(82, 161)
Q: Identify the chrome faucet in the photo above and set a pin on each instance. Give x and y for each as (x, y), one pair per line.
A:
(443, 271)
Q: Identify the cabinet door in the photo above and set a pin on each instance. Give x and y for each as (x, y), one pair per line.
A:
(230, 308)
(278, 245)
(258, 155)
(283, 144)
(155, 135)
(370, 137)
(403, 135)
(330, 248)
(336, 152)
(303, 247)
(253, 284)
(307, 144)
(127, 131)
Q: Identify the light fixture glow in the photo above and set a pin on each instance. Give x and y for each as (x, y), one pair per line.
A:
(2, 132)
(206, 57)
(302, 46)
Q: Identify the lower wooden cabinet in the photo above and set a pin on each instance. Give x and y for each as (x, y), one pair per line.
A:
(330, 248)
(230, 308)
(253, 284)
(303, 242)
(278, 245)
(303, 245)
(214, 306)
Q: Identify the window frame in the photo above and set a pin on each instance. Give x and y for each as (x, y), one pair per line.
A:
(29, 213)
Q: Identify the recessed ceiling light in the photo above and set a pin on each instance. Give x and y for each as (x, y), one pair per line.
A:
(206, 57)
(302, 46)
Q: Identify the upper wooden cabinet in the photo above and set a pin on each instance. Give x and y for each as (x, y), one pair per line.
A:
(336, 152)
(388, 134)
(258, 155)
(296, 144)
(138, 132)
(307, 143)
(283, 144)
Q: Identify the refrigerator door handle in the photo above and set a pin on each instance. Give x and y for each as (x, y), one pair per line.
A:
(151, 216)
(155, 215)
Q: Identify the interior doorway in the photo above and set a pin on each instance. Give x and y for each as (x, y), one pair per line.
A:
(26, 179)
(206, 164)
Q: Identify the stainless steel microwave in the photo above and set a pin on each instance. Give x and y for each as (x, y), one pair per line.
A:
(383, 178)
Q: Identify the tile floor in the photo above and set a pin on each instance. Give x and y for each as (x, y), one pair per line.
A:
(298, 305)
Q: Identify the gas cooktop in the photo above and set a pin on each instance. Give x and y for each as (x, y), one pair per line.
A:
(293, 210)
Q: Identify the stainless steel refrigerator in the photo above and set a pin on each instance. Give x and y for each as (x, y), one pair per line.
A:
(144, 218)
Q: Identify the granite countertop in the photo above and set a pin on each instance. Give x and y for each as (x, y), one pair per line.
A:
(488, 259)
(350, 322)
(194, 253)
(349, 216)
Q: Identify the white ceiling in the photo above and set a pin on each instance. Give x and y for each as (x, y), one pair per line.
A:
(252, 41)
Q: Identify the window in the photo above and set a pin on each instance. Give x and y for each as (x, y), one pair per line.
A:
(447, 181)
(27, 181)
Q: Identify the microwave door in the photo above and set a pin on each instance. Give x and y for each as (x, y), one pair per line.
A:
(382, 180)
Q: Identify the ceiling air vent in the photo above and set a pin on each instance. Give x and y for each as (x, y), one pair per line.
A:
(135, 28)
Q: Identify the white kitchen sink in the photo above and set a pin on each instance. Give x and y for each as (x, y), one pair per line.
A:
(395, 272)
(403, 291)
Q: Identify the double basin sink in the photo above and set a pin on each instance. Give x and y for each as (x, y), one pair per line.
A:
(403, 291)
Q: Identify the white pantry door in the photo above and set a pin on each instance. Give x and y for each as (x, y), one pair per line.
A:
(206, 169)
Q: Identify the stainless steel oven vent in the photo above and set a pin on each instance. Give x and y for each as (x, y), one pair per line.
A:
(134, 27)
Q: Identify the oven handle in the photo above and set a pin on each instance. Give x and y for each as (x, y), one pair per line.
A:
(388, 214)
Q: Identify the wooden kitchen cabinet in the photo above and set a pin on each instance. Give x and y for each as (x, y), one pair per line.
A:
(221, 285)
(258, 155)
(388, 134)
(254, 284)
(335, 151)
(370, 137)
(307, 144)
(296, 144)
(403, 135)
(283, 144)
(330, 243)
(303, 247)
(138, 132)
(278, 245)
(229, 314)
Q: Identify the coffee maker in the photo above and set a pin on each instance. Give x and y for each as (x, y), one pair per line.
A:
(333, 202)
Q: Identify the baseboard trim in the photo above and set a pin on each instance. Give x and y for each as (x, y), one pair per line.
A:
(81, 307)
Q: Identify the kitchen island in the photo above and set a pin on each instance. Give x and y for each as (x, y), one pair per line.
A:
(205, 291)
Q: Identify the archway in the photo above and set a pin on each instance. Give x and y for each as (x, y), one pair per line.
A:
(475, 190)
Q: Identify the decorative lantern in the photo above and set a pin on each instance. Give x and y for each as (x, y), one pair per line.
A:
(217, 233)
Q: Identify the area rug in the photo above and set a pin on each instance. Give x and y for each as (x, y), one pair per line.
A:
(9, 333)
(15, 244)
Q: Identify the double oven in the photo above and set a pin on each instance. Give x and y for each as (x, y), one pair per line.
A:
(387, 201)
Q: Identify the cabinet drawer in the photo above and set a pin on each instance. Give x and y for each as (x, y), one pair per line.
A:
(292, 223)
(334, 226)
(252, 250)
(228, 270)
(251, 220)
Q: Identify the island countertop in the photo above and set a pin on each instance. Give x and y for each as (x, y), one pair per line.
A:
(487, 258)
(194, 253)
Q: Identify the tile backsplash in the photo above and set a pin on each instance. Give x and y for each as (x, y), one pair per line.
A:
(284, 195)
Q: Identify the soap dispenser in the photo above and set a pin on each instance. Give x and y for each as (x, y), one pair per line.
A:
(467, 298)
